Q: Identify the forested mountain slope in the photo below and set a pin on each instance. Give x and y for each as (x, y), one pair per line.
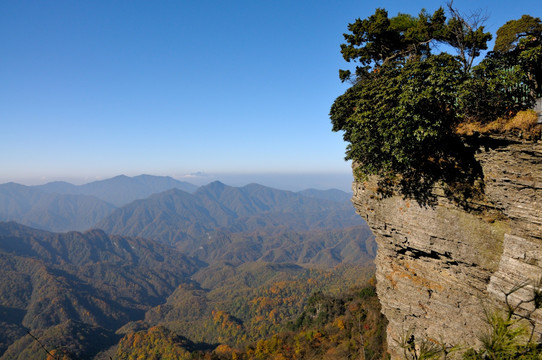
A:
(50, 211)
(79, 281)
(79, 293)
(254, 222)
(346, 325)
(224, 265)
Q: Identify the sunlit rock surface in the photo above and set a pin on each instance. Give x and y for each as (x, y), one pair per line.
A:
(439, 267)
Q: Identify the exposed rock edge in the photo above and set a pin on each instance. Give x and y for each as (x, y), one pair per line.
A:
(439, 267)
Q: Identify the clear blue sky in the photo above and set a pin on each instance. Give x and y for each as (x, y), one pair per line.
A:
(94, 89)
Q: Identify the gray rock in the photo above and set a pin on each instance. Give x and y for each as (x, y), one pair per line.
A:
(440, 268)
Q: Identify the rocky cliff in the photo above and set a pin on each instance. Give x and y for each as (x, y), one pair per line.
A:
(439, 267)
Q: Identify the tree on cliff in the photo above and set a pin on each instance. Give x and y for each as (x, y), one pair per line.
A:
(465, 33)
(521, 41)
(518, 33)
(400, 115)
(378, 40)
(400, 122)
(509, 78)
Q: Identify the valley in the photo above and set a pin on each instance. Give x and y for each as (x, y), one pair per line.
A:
(219, 266)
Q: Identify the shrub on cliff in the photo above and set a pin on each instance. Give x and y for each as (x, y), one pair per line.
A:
(401, 122)
(401, 113)
(498, 87)
(509, 78)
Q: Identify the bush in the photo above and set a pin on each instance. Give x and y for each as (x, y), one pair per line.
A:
(400, 125)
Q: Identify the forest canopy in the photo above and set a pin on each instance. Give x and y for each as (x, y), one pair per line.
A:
(401, 115)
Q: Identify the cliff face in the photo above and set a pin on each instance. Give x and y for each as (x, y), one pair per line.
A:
(439, 267)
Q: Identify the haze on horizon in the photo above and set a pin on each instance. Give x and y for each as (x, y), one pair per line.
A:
(281, 181)
(238, 90)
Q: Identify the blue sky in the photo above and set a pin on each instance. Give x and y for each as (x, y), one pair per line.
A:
(238, 90)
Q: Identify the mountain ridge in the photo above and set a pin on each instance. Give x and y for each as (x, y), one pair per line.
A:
(60, 206)
(121, 190)
(188, 221)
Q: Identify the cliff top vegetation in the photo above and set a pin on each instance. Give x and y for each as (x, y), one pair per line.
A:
(408, 111)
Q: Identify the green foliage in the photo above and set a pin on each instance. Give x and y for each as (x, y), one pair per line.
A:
(399, 125)
(497, 87)
(379, 40)
(520, 41)
(466, 34)
(502, 339)
(399, 118)
(516, 33)
(506, 338)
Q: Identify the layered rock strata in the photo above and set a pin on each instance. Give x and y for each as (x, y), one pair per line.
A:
(440, 268)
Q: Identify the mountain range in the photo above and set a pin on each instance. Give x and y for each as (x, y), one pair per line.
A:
(120, 190)
(61, 206)
(80, 293)
(210, 263)
(254, 222)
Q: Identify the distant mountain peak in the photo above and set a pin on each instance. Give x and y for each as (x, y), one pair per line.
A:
(13, 185)
(329, 194)
(120, 177)
(216, 183)
(174, 191)
(59, 182)
(215, 187)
